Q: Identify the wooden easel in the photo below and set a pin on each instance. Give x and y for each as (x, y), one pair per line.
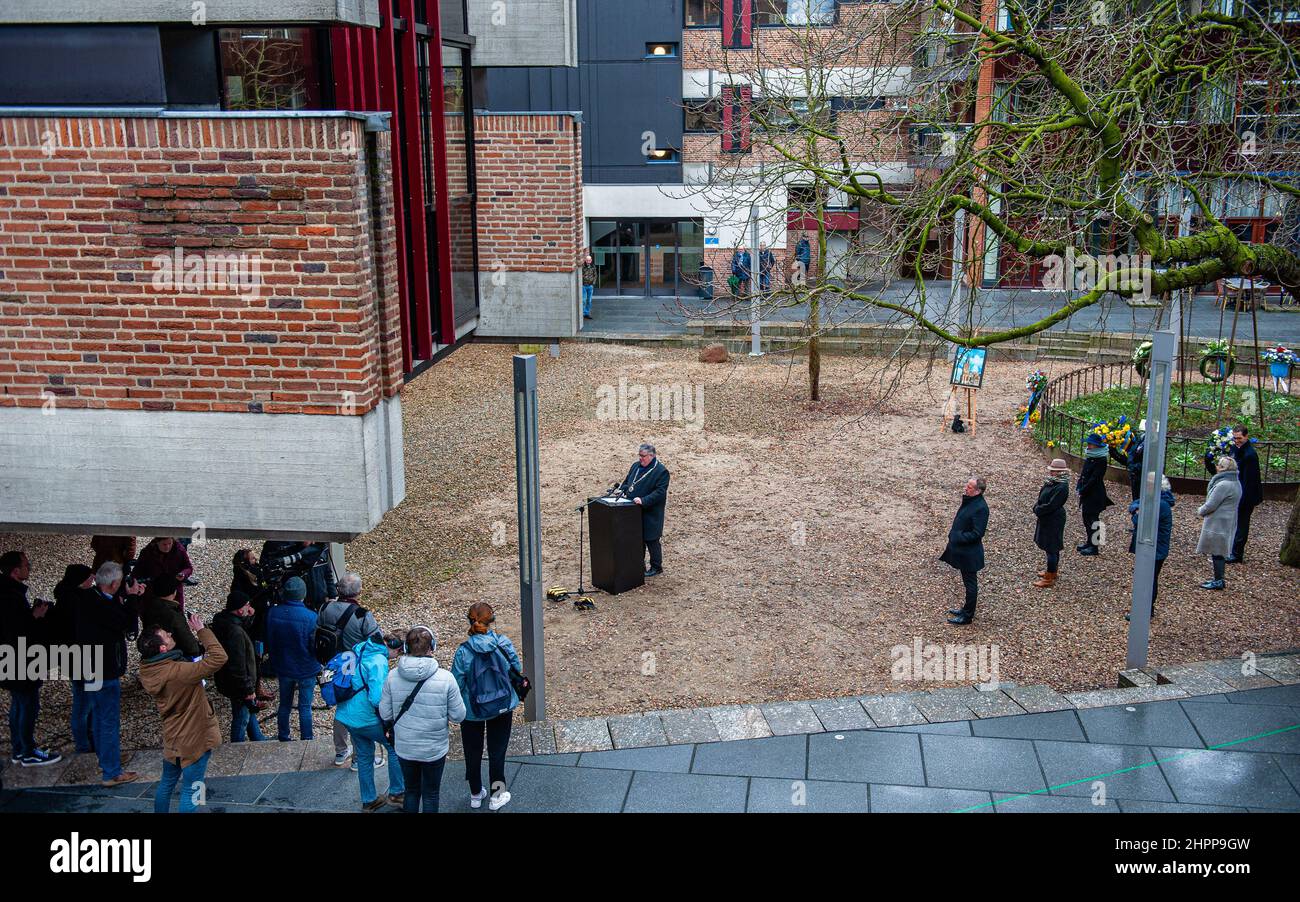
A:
(951, 404)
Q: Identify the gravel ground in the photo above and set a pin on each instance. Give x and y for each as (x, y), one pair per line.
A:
(801, 540)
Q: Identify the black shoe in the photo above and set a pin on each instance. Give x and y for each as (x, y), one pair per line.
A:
(1090, 551)
(654, 571)
(1232, 559)
(586, 316)
(960, 619)
(956, 612)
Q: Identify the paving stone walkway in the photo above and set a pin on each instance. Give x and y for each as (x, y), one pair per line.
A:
(1196, 737)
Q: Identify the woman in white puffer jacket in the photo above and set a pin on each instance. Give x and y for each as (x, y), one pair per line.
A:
(421, 732)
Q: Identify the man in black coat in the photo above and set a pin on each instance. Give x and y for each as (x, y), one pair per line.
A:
(1092, 494)
(1049, 533)
(105, 617)
(647, 485)
(237, 679)
(1252, 487)
(965, 551)
(21, 621)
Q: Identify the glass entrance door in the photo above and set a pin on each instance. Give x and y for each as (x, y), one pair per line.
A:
(661, 257)
(646, 257)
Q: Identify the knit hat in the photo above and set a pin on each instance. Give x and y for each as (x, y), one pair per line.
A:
(236, 600)
(295, 589)
(1058, 465)
(164, 585)
(1095, 439)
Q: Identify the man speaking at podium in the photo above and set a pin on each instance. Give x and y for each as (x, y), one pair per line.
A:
(647, 485)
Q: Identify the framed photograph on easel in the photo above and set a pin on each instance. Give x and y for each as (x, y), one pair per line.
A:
(968, 367)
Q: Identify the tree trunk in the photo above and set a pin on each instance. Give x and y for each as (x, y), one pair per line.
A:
(814, 351)
(1291, 543)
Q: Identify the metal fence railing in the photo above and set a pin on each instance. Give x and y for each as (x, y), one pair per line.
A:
(1279, 461)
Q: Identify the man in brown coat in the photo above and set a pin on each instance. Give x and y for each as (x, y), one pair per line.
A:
(190, 730)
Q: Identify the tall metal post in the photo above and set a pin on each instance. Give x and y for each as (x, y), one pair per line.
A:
(1153, 468)
(755, 281)
(528, 482)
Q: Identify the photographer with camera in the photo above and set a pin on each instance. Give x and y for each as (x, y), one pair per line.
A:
(246, 579)
(309, 561)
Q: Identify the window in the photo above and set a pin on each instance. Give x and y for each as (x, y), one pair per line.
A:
(270, 69)
(663, 155)
(736, 100)
(791, 113)
(660, 50)
(795, 12)
(702, 116)
(703, 13)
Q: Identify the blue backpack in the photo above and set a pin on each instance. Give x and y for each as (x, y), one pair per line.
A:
(489, 685)
(341, 679)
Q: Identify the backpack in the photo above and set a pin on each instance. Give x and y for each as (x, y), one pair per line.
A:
(327, 640)
(341, 679)
(489, 684)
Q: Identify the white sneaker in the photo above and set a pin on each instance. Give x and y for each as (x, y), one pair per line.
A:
(341, 758)
(500, 800)
(476, 800)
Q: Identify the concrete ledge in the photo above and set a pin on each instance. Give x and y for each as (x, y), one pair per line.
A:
(217, 12)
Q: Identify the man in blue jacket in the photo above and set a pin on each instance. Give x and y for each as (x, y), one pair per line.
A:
(647, 485)
(289, 630)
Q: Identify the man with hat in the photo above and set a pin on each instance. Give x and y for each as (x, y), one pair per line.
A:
(237, 679)
(1093, 499)
(1049, 534)
(289, 630)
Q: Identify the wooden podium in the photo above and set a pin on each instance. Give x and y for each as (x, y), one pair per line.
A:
(617, 549)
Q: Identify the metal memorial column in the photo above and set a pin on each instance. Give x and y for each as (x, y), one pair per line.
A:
(528, 482)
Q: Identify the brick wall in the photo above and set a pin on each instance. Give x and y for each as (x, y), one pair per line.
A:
(529, 170)
(93, 211)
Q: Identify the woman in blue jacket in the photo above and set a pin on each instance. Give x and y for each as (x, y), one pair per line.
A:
(361, 716)
(480, 662)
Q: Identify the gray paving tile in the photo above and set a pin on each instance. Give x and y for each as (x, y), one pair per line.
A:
(244, 790)
(927, 798)
(1062, 725)
(1230, 672)
(1127, 771)
(991, 703)
(790, 718)
(542, 733)
(1133, 806)
(1283, 668)
(1036, 699)
(633, 731)
(806, 796)
(948, 728)
(1273, 695)
(568, 759)
(1290, 765)
(1194, 679)
(868, 756)
(1227, 778)
(521, 741)
(331, 790)
(657, 792)
(1158, 723)
(1103, 698)
(1220, 724)
(586, 734)
(842, 714)
(1048, 804)
(967, 762)
(945, 704)
(667, 758)
(567, 789)
(453, 791)
(689, 725)
(775, 756)
(892, 710)
(739, 722)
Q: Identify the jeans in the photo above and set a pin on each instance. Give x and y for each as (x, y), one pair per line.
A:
(363, 744)
(105, 725)
(970, 579)
(498, 738)
(306, 689)
(587, 292)
(656, 553)
(1053, 561)
(191, 794)
(243, 722)
(1243, 530)
(81, 727)
(1218, 561)
(422, 779)
(24, 708)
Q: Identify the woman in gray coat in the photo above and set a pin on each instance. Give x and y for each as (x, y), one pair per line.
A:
(421, 731)
(1220, 514)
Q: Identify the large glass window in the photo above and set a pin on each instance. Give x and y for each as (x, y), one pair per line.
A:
(795, 12)
(271, 69)
(702, 116)
(704, 12)
(461, 185)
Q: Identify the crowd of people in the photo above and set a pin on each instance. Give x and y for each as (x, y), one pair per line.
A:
(1233, 493)
(286, 618)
